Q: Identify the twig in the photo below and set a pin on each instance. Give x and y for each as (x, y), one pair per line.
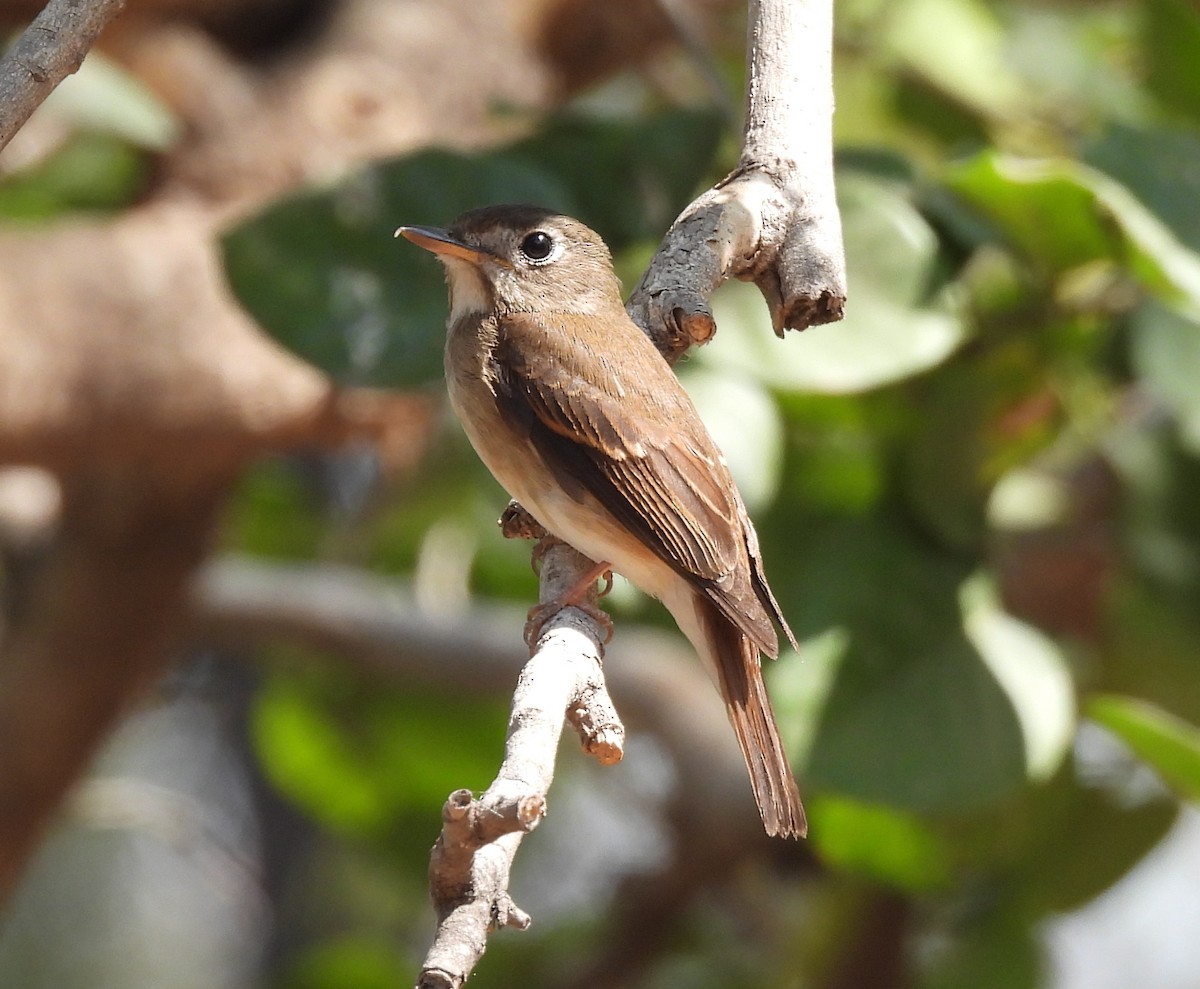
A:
(49, 50)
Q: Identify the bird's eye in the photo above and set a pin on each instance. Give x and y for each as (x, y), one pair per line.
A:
(537, 245)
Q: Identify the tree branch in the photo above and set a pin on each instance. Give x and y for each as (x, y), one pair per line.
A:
(774, 219)
(49, 50)
(471, 861)
(92, 632)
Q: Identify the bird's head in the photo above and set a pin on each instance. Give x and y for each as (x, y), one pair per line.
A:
(521, 258)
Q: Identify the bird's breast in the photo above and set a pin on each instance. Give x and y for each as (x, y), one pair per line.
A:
(513, 460)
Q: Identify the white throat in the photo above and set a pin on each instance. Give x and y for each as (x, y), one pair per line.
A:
(470, 293)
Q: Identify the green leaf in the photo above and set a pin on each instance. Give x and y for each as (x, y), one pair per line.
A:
(356, 757)
(1082, 840)
(892, 329)
(1032, 671)
(272, 514)
(968, 59)
(1159, 167)
(916, 718)
(1167, 743)
(1171, 39)
(90, 171)
(878, 843)
(322, 273)
(994, 946)
(964, 439)
(1165, 351)
(351, 962)
(1062, 216)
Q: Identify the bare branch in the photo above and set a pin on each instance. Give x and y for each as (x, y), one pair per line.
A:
(774, 219)
(49, 50)
(471, 861)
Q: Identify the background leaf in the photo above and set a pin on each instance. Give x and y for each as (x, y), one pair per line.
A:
(1168, 743)
(322, 273)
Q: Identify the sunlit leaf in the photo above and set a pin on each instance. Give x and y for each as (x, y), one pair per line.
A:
(968, 59)
(306, 756)
(1032, 671)
(355, 756)
(1063, 215)
(90, 171)
(1167, 743)
(272, 515)
(355, 962)
(745, 422)
(101, 96)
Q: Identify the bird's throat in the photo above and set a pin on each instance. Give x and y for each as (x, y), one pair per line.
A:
(470, 293)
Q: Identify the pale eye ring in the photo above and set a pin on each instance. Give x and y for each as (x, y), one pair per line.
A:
(537, 246)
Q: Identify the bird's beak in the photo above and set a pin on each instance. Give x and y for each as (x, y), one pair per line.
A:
(440, 242)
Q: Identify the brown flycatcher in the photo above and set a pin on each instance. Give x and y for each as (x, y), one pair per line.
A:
(582, 420)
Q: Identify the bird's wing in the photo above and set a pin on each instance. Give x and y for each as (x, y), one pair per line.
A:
(636, 444)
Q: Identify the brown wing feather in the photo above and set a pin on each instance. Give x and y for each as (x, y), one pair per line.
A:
(660, 475)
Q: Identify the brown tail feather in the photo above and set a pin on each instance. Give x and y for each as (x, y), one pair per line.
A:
(745, 694)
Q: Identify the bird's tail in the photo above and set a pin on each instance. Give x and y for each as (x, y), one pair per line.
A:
(740, 680)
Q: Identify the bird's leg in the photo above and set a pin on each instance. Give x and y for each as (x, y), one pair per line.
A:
(544, 545)
(575, 597)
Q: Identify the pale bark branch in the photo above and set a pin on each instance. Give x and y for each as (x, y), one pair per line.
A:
(774, 219)
(472, 859)
(49, 50)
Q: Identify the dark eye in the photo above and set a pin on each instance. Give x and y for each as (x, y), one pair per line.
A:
(537, 246)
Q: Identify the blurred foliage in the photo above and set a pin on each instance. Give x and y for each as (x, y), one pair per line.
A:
(320, 273)
(105, 125)
(977, 495)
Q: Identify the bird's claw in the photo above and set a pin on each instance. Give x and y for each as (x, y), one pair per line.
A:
(540, 614)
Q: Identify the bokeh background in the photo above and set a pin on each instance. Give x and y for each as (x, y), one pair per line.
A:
(978, 497)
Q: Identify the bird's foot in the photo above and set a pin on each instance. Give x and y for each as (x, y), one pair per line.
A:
(517, 523)
(575, 597)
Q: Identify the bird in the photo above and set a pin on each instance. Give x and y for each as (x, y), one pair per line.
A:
(580, 418)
